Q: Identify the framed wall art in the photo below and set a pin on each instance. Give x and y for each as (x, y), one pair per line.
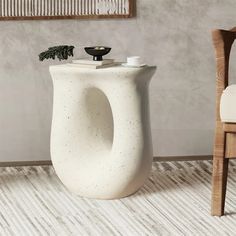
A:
(65, 9)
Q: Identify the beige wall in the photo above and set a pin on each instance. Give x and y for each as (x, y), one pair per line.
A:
(172, 34)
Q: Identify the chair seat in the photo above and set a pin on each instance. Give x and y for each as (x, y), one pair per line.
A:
(228, 105)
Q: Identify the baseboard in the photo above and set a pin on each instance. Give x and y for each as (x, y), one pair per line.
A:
(25, 163)
(184, 158)
(156, 159)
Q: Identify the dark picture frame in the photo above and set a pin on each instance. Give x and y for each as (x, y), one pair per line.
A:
(65, 9)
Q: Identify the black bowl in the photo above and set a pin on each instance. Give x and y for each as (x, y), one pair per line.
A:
(97, 52)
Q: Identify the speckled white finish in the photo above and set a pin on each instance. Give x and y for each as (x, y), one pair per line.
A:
(100, 140)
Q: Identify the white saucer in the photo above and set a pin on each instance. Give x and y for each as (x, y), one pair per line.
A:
(132, 66)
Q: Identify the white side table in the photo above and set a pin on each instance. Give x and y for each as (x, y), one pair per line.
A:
(101, 144)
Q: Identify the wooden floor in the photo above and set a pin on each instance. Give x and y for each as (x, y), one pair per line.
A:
(174, 201)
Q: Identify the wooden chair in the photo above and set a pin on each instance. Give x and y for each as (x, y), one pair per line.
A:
(225, 133)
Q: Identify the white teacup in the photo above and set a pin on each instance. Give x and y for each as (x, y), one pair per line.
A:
(134, 61)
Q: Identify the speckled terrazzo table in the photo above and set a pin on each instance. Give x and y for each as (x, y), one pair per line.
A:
(100, 141)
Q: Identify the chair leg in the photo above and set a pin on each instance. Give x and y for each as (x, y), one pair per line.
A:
(219, 179)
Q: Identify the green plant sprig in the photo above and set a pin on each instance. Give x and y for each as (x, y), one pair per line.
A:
(61, 52)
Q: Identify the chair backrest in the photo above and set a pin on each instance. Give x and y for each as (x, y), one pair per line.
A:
(222, 41)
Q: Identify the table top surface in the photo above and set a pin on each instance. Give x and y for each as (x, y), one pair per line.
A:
(116, 67)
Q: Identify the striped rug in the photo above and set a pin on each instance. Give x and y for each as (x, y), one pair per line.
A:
(174, 201)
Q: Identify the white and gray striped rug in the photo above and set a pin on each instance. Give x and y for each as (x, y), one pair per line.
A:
(174, 201)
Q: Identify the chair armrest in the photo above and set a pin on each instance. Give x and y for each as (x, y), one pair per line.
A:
(222, 41)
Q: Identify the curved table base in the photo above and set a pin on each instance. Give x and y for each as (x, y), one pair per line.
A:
(100, 140)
